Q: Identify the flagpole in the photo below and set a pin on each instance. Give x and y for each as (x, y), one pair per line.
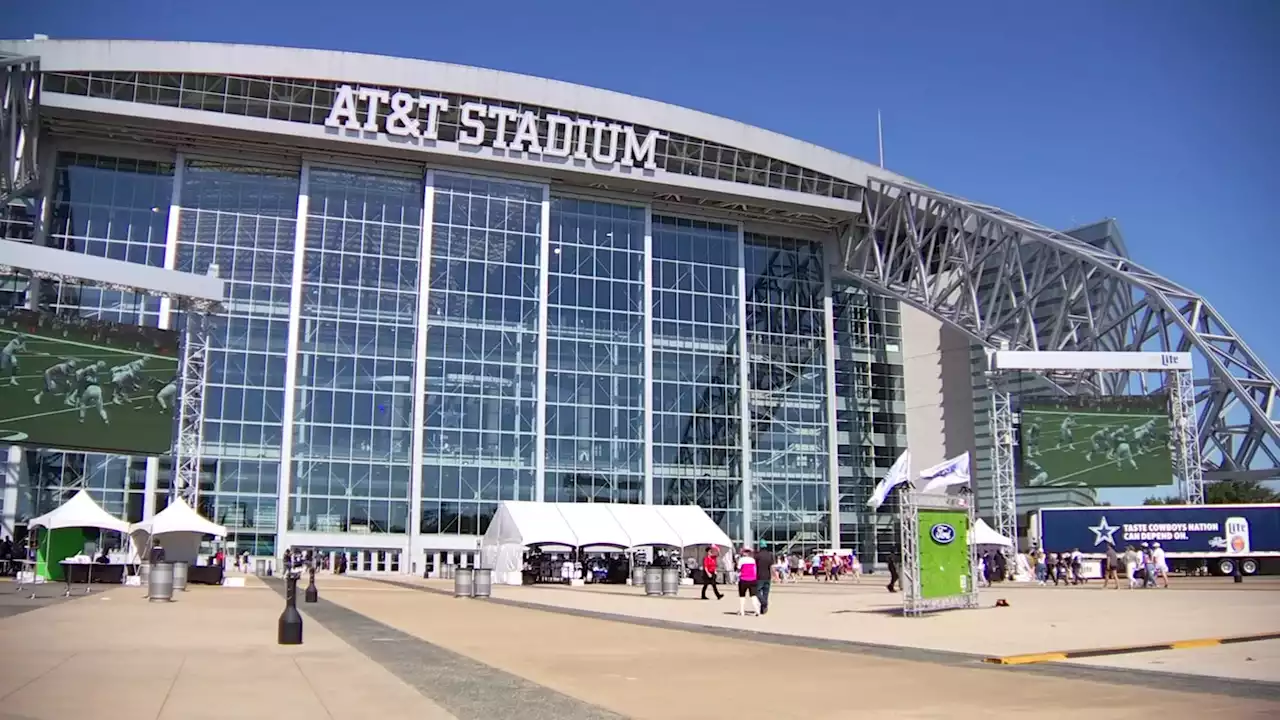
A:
(880, 136)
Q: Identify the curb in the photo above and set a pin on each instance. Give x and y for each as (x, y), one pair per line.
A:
(1033, 658)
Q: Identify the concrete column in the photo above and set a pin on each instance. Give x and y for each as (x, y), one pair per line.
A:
(10, 476)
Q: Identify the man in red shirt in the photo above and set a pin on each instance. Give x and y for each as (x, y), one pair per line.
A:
(709, 564)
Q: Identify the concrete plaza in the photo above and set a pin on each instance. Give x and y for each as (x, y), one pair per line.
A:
(379, 650)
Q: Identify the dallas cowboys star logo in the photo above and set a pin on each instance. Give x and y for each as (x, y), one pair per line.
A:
(1103, 532)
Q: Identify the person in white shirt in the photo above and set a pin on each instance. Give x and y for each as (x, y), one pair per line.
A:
(1161, 563)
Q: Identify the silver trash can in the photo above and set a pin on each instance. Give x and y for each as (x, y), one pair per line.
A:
(462, 581)
(652, 580)
(160, 582)
(144, 573)
(670, 581)
(637, 575)
(482, 583)
(180, 576)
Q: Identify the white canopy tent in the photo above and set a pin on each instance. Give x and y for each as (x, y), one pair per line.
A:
(982, 534)
(518, 525)
(179, 530)
(79, 512)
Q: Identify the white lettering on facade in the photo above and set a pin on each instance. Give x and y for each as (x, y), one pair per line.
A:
(405, 115)
(419, 117)
(373, 99)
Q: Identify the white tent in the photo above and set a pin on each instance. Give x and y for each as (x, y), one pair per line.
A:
(179, 529)
(982, 534)
(80, 511)
(518, 525)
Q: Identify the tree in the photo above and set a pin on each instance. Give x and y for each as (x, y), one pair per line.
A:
(1227, 492)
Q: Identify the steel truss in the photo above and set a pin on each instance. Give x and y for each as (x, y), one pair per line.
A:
(999, 278)
(1002, 438)
(910, 503)
(194, 373)
(20, 128)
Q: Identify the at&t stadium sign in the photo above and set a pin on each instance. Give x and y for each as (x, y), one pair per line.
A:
(417, 117)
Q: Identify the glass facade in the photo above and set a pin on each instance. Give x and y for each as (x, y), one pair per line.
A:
(243, 219)
(481, 373)
(595, 353)
(357, 327)
(786, 326)
(697, 356)
(528, 345)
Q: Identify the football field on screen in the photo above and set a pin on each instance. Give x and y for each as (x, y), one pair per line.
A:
(137, 420)
(1100, 447)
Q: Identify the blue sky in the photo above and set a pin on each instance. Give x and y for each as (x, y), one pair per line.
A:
(1155, 112)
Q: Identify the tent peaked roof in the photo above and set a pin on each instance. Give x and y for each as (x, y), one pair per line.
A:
(179, 517)
(80, 511)
(586, 524)
(982, 534)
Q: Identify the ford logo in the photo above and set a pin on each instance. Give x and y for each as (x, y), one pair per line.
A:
(942, 533)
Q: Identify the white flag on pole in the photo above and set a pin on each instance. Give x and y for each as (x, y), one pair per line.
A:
(945, 474)
(898, 474)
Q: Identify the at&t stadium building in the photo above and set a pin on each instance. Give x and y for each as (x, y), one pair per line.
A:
(449, 286)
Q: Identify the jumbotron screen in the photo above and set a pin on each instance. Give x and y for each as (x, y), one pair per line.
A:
(83, 384)
(1095, 442)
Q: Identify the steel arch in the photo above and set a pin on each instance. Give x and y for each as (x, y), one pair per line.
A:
(19, 127)
(1003, 279)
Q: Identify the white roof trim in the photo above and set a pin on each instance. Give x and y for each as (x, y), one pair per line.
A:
(215, 58)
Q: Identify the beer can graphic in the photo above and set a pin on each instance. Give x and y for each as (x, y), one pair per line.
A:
(1237, 535)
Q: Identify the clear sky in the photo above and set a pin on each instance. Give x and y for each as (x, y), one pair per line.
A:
(1164, 114)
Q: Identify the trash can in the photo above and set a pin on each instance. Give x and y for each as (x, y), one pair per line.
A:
(160, 582)
(670, 581)
(462, 582)
(260, 567)
(652, 580)
(637, 575)
(482, 583)
(179, 576)
(144, 573)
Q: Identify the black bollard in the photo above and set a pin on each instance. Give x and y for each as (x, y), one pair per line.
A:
(312, 595)
(290, 629)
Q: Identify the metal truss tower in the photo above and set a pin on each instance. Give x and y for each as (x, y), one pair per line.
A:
(1002, 436)
(193, 374)
(1003, 279)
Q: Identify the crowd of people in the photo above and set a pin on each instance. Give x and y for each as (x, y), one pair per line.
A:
(1143, 567)
(758, 569)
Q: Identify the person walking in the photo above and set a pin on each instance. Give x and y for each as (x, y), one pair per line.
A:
(765, 561)
(894, 581)
(1112, 571)
(748, 575)
(709, 565)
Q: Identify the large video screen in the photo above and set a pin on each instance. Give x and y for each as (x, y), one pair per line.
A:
(84, 384)
(1095, 442)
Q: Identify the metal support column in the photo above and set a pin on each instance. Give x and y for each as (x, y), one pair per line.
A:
(744, 391)
(186, 456)
(1002, 468)
(1186, 438)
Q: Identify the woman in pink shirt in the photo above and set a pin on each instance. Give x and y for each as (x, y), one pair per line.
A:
(748, 576)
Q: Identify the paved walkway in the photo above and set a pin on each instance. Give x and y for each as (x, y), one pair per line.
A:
(375, 650)
(212, 654)
(647, 672)
(1037, 620)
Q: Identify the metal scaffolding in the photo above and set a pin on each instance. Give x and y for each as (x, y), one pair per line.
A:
(190, 437)
(1003, 279)
(914, 600)
(1004, 487)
